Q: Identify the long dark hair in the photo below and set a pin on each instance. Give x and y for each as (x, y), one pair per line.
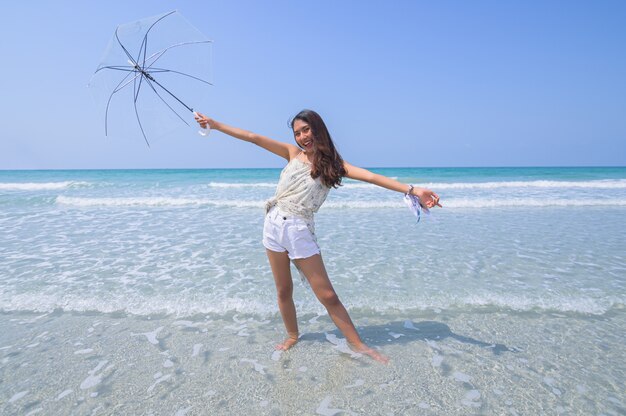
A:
(327, 162)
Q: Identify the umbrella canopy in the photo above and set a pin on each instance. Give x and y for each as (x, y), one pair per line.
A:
(150, 74)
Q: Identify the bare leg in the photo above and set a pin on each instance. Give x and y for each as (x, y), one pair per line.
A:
(314, 270)
(284, 288)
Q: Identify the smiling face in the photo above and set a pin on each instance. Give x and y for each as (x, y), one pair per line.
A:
(303, 134)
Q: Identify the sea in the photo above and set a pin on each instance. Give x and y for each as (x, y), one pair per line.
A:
(149, 292)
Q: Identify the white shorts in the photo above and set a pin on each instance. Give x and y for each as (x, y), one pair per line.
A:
(288, 233)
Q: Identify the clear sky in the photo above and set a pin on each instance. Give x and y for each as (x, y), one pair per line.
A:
(399, 83)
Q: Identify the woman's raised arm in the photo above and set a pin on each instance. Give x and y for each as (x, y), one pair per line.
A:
(426, 196)
(284, 150)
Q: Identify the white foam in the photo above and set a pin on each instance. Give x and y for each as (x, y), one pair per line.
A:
(542, 184)
(485, 203)
(183, 412)
(242, 185)
(85, 351)
(342, 345)
(63, 394)
(151, 336)
(461, 377)
(409, 325)
(341, 204)
(433, 344)
(324, 409)
(159, 380)
(18, 396)
(196, 350)
(41, 186)
(532, 202)
(437, 360)
(122, 301)
(257, 367)
(188, 324)
(596, 184)
(153, 202)
(272, 185)
(93, 379)
(471, 399)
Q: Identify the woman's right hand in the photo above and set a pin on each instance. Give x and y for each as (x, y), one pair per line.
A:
(204, 121)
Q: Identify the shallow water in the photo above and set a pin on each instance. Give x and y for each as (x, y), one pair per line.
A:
(510, 300)
(441, 363)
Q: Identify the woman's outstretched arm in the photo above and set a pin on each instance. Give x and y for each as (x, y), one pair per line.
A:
(426, 196)
(284, 150)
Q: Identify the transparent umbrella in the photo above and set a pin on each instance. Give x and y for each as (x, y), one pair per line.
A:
(150, 72)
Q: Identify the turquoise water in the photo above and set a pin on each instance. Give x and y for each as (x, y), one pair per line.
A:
(148, 292)
(188, 241)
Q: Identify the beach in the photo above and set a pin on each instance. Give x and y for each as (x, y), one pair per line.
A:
(149, 292)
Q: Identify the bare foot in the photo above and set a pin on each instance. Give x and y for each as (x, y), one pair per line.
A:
(287, 343)
(372, 353)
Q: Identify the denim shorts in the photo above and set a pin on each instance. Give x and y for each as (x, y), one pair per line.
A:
(289, 233)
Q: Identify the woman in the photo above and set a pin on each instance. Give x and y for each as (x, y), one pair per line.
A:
(313, 168)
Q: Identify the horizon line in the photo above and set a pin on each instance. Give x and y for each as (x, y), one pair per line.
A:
(368, 167)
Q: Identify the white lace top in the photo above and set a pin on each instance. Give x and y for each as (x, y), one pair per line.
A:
(297, 192)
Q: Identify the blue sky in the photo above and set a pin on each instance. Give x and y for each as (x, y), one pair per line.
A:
(399, 83)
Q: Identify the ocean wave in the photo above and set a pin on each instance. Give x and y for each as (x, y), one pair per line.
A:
(541, 184)
(154, 202)
(252, 185)
(41, 186)
(181, 306)
(486, 203)
(532, 203)
(242, 185)
(597, 184)
(346, 204)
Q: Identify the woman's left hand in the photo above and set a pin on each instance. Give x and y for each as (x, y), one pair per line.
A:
(428, 198)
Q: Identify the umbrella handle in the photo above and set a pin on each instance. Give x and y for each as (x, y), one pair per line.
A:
(204, 131)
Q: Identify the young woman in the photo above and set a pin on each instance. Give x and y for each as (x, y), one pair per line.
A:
(313, 168)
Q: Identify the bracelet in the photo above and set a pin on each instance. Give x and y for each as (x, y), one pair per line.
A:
(410, 189)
